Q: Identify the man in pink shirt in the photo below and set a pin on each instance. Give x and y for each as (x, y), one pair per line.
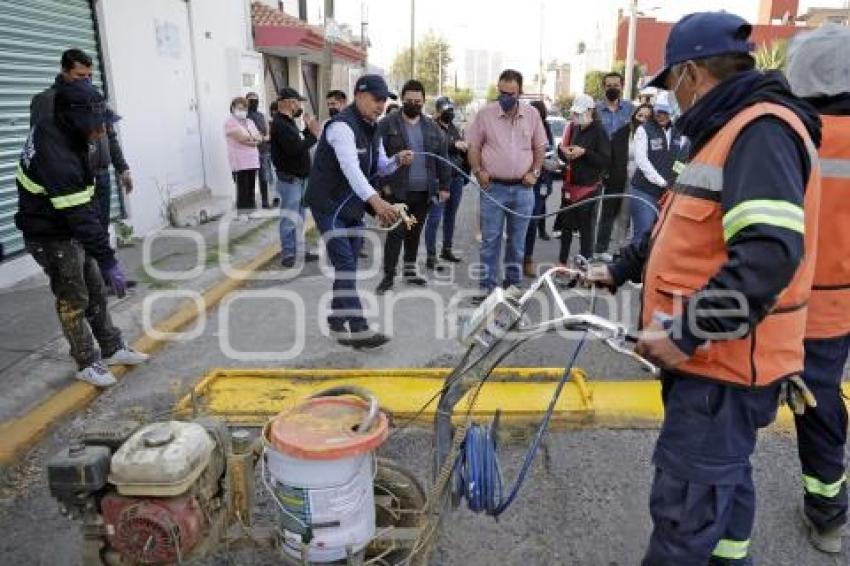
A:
(507, 144)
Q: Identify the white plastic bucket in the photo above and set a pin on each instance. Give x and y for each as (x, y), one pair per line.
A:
(319, 467)
(333, 499)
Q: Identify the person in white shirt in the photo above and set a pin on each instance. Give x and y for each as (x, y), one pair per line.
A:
(659, 151)
(349, 159)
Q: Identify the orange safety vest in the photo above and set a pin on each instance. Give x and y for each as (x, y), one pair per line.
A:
(829, 305)
(689, 247)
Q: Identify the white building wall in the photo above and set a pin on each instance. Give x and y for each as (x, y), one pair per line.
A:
(173, 66)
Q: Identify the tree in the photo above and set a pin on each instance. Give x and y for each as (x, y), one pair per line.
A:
(429, 51)
(563, 102)
(773, 56)
(492, 94)
(593, 84)
(461, 96)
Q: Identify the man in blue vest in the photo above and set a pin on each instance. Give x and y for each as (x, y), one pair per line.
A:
(659, 152)
(348, 158)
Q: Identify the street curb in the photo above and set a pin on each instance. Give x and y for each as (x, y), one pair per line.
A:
(249, 397)
(18, 435)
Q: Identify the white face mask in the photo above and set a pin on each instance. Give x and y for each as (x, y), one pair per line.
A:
(241, 114)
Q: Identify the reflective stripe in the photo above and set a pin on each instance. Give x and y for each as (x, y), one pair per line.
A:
(702, 175)
(74, 199)
(817, 487)
(835, 168)
(732, 549)
(773, 212)
(63, 201)
(28, 183)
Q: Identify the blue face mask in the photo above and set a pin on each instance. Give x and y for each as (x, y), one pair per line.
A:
(507, 102)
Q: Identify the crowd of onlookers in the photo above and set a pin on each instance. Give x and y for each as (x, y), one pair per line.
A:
(614, 160)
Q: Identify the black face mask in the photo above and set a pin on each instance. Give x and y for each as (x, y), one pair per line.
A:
(411, 109)
(253, 105)
(447, 116)
(297, 113)
(612, 94)
(333, 111)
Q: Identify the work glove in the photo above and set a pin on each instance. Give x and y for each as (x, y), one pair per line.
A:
(115, 278)
(797, 395)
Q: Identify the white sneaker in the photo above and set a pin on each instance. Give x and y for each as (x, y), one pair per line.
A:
(126, 356)
(97, 374)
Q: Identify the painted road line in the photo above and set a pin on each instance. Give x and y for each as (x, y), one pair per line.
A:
(19, 434)
(250, 397)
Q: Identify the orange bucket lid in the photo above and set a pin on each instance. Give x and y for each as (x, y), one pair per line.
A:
(324, 429)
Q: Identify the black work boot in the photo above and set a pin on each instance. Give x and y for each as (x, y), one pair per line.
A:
(385, 285)
(365, 339)
(448, 255)
(412, 277)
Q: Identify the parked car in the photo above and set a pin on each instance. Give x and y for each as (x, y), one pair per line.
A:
(558, 125)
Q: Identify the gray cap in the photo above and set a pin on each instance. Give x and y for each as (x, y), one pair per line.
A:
(819, 62)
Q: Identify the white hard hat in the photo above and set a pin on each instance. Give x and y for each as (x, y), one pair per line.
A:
(819, 62)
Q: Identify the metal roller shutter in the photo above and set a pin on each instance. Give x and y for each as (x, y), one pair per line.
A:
(35, 33)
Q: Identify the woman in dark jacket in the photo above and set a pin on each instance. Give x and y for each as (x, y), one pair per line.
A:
(587, 151)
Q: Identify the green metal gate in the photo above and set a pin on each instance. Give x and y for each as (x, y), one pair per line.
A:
(33, 35)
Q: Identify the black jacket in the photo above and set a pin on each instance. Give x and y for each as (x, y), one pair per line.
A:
(391, 130)
(55, 188)
(328, 191)
(262, 124)
(456, 156)
(290, 147)
(103, 152)
(591, 167)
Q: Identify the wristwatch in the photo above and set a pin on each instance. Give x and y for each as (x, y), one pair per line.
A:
(536, 173)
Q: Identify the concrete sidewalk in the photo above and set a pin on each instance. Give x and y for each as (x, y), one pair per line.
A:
(34, 360)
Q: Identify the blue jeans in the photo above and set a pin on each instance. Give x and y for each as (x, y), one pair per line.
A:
(447, 211)
(495, 221)
(342, 252)
(822, 431)
(540, 196)
(643, 217)
(702, 501)
(292, 219)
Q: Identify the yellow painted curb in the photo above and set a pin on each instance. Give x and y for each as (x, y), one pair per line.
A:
(250, 397)
(18, 435)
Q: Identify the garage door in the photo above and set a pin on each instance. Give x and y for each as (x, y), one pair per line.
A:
(34, 35)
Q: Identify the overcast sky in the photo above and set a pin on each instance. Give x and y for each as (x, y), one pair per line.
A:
(513, 26)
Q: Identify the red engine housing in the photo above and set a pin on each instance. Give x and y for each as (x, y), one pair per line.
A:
(151, 530)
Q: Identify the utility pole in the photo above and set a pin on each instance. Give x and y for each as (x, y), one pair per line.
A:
(540, 53)
(440, 68)
(630, 49)
(412, 39)
(327, 70)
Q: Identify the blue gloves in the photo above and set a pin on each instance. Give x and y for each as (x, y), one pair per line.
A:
(115, 278)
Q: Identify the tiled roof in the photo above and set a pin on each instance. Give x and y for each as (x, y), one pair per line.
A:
(264, 15)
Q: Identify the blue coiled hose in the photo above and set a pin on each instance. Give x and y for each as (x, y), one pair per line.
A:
(478, 471)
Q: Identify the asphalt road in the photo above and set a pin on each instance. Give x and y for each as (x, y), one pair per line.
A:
(584, 503)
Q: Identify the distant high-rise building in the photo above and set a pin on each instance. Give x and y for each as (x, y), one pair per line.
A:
(481, 69)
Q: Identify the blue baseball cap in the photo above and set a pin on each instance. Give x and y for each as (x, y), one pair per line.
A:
(702, 35)
(374, 84)
(84, 103)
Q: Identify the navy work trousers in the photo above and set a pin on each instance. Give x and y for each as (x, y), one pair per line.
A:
(343, 243)
(702, 501)
(822, 434)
